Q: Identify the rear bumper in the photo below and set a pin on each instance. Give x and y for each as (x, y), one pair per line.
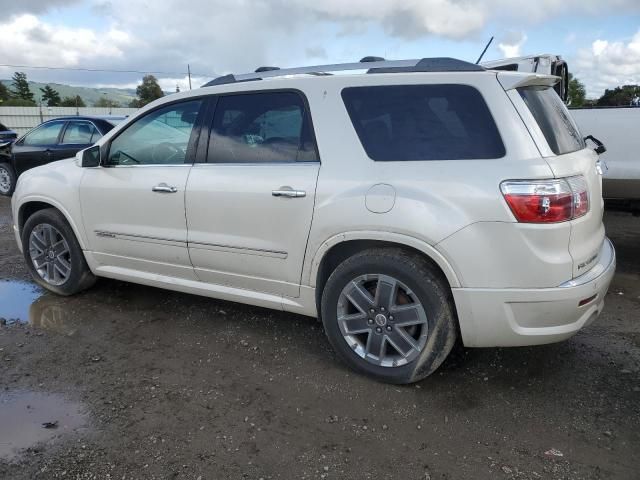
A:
(516, 317)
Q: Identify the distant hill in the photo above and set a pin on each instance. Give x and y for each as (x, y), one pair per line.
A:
(90, 95)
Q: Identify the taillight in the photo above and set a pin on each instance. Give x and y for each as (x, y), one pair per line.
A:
(547, 201)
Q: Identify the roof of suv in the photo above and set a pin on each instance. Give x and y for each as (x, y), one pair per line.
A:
(371, 64)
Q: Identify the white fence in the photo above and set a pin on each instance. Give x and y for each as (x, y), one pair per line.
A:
(23, 119)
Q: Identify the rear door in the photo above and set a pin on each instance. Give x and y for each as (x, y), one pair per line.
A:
(250, 200)
(37, 147)
(564, 149)
(77, 135)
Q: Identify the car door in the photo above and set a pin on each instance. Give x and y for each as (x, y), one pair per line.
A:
(77, 135)
(250, 201)
(133, 204)
(36, 147)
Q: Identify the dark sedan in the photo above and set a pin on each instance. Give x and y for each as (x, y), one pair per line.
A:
(50, 141)
(7, 135)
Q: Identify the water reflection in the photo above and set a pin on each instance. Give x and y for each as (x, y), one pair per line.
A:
(29, 418)
(52, 313)
(16, 298)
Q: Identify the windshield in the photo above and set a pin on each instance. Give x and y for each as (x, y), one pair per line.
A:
(553, 118)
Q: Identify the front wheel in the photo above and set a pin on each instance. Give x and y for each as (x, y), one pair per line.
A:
(389, 315)
(7, 179)
(53, 255)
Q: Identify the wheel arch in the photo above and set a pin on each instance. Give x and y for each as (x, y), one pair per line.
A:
(32, 205)
(336, 249)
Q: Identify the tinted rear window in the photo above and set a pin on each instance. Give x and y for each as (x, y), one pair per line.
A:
(553, 118)
(423, 122)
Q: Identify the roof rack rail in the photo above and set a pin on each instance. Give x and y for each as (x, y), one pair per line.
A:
(441, 64)
(266, 69)
(370, 58)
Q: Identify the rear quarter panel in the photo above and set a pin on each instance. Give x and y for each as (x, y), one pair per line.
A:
(433, 199)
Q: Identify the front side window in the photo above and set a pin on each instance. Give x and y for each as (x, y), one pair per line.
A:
(423, 122)
(46, 134)
(78, 133)
(553, 118)
(159, 138)
(267, 127)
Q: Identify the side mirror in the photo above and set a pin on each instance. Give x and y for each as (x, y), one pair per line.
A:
(600, 148)
(91, 157)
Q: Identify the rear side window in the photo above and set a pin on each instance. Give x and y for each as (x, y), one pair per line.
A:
(423, 122)
(80, 133)
(553, 118)
(266, 127)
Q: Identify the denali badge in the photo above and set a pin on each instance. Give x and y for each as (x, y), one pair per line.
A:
(588, 262)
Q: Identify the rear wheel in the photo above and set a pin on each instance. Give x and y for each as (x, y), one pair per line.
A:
(389, 315)
(7, 179)
(53, 255)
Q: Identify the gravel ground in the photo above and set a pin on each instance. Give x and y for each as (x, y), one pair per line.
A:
(146, 383)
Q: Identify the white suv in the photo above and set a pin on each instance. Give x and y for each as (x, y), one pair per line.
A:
(406, 206)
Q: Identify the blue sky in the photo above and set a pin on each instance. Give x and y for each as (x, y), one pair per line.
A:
(217, 36)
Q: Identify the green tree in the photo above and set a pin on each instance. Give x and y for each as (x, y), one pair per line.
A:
(4, 93)
(18, 102)
(21, 87)
(72, 102)
(106, 103)
(619, 96)
(148, 91)
(577, 92)
(50, 96)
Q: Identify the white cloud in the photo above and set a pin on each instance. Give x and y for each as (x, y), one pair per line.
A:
(512, 44)
(221, 36)
(28, 40)
(608, 64)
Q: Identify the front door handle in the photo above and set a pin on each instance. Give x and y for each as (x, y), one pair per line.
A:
(288, 192)
(164, 188)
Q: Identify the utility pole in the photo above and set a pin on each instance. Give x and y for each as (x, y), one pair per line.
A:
(189, 75)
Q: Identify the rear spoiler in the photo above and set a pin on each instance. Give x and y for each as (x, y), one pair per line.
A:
(546, 65)
(511, 80)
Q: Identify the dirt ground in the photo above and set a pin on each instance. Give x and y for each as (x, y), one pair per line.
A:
(145, 383)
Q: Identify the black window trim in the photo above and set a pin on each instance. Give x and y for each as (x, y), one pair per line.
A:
(204, 149)
(193, 139)
(357, 134)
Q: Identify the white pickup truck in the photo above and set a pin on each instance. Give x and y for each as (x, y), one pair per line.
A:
(615, 127)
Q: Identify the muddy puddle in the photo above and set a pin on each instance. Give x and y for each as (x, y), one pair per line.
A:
(26, 303)
(28, 419)
(16, 298)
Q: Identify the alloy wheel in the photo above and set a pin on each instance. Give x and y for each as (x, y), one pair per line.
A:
(382, 320)
(50, 254)
(5, 180)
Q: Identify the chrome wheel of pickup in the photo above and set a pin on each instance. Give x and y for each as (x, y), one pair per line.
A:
(382, 320)
(50, 254)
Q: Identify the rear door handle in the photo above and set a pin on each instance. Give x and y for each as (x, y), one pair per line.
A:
(164, 188)
(288, 192)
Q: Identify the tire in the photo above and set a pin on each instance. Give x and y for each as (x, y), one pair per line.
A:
(423, 308)
(65, 256)
(7, 179)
